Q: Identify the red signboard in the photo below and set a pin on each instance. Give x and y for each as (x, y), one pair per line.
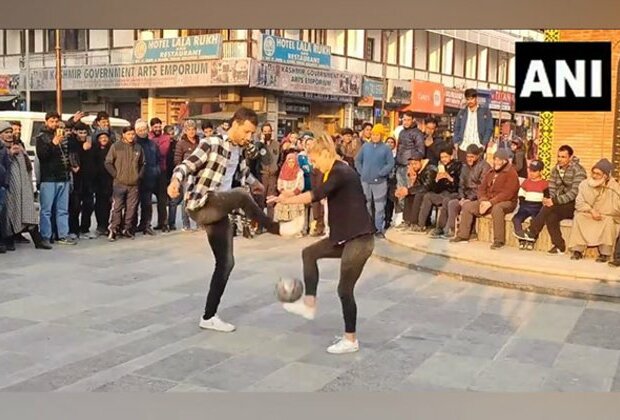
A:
(426, 97)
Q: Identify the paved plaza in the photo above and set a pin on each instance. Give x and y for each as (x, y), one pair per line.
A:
(124, 317)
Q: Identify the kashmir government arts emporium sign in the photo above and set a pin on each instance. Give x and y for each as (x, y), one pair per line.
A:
(233, 72)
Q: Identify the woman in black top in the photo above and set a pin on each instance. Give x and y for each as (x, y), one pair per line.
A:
(350, 237)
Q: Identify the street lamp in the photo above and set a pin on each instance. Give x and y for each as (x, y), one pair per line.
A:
(386, 35)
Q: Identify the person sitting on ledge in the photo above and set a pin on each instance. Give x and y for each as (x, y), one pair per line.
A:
(446, 186)
(421, 176)
(563, 187)
(497, 195)
(531, 195)
(472, 174)
(597, 213)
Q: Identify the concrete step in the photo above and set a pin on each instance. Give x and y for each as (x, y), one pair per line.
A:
(491, 275)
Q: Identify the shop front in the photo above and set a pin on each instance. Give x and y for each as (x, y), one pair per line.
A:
(368, 108)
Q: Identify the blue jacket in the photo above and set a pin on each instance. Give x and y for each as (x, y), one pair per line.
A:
(485, 125)
(151, 161)
(306, 167)
(374, 162)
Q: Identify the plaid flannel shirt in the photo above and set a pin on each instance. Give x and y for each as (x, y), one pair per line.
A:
(203, 171)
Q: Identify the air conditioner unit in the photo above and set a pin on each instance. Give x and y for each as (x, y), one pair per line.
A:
(230, 95)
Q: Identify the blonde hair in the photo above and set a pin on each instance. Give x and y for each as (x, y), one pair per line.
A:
(321, 143)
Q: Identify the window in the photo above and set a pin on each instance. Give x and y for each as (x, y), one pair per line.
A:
(170, 33)
(391, 40)
(355, 43)
(123, 38)
(369, 54)
(292, 34)
(420, 43)
(502, 76)
(493, 66)
(335, 40)
(434, 52)
(405, 48)
(192, 32)
(13, 41)
(98, 38)
(459, 58)
(2, 42)
(70, 39)
(447, 55)
(237, 34)
(31, 41)
(511, 70)
(471, 60)
(483, 55)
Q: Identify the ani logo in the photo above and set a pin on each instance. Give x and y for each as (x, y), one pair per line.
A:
(269, 46)
(139, 50)
(437, 98)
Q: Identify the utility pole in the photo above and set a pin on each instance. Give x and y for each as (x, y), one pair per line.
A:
(58, 74)
(27, 70)
(386, 35)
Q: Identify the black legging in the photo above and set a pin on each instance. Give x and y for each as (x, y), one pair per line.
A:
(353, 255)
(213, 216)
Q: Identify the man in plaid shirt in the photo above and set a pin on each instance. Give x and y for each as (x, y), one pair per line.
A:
(208, 175)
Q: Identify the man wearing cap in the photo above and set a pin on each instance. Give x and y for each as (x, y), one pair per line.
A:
(421, 178)
(531, 195)
(473, 125)
(374, 164)
(564, 183)
(497, 196)
(597, 213)
(472, 174)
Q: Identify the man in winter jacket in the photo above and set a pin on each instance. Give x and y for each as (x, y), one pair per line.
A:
(410, 143)
(150, 179)
(497, 195)
(563, 189)
(472, 174)
(163, 142)
(421, 180)
(103, 181)
(473, 125)
(4, 169)
(374, 163)
(125, 162)
(81, 199)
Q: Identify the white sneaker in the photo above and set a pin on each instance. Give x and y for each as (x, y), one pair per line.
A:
(293, 227)
(343, 346)
(216, 324)
(300, 308)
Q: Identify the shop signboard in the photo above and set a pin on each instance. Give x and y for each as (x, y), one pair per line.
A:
(372, 88)
(454, 98)
(293, 51)
(318, 97)
(198, 47)
(427, 97)
(289, 78)
(399, 92)
(9, 84)
(502, 100)
(233, 72)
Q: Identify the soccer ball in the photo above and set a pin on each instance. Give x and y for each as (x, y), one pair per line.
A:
(289, 290)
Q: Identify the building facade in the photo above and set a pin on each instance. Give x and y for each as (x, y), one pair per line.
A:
(330, 80)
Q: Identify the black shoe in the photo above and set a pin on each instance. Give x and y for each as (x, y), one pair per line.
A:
(67, 241)
(436, 233)
(165, 229)
(9, 244)
(602, 259)
(172, 228)
(418, 229)
(576, 255)
(614, 263)
(149, 231)
(2, 249)
(128, 234)
(555, 251)
(20, 239)
(158, 227)
(457, 240)
(380, 235)
(525, 236)
(497, 245)
(112, 237)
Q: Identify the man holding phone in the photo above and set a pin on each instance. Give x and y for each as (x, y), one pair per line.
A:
(53, 154)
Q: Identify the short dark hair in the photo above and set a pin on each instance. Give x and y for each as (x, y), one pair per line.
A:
(346, 131)
(154, 121)
(102, 115)
(52, 114)
(244, 114)
(430, 120)
(446, 149)
(17, 123)
(566, 148)
(409, 114)
(80, 126)
(266, 124)
(128, 128)
(471, 93)
(207, 124)
(366, 124)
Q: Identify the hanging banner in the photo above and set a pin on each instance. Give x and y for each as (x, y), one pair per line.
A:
(303, 79)
(198, 47)
(399, 91)
(234, 72)
(292, 51)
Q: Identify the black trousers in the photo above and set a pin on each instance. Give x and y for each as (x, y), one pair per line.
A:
(124, 207)
(213, 216)
(146, 206)
(413, 204)
(81, 206)
(161, 193)
(353, 256)
(103, 206)
(551, 217)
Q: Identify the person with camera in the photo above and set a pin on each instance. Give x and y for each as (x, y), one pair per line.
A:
(52, 150)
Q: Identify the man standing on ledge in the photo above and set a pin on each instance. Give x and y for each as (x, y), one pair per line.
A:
(473, 125)
(208, 175)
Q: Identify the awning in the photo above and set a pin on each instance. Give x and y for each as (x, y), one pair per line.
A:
(216, 116)
(7, 98)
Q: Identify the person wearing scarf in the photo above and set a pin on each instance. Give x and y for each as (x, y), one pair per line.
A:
(290, 183)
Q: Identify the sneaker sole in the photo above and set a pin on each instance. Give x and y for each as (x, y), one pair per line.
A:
(308, 317)
(205, 327)
(523, 238)
(344, 352)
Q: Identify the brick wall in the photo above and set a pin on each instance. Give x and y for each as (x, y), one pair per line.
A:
(591, 134)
